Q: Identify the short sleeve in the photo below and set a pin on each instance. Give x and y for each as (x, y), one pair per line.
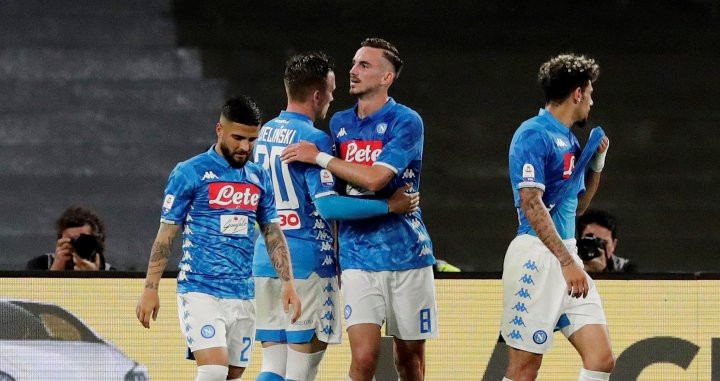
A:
(527, 160)
(178, 197)
(320, 182)
(266, 212)
(405, 144)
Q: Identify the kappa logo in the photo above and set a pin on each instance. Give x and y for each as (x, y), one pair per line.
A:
(560, 143)
(187, 230)
(425, 251)
(186, 256)
(518, 321)
(421, 237)
(520, 307)
(408, 174)
(187, 243)
(209, 175)
(342, 132)
(328, 260)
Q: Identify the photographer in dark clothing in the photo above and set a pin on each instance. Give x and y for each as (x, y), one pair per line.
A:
(80, 243)
(597, 240)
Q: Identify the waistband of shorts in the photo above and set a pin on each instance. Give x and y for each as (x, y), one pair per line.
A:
(571, 242)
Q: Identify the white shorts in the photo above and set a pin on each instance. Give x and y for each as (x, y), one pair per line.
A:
(405, 300)
(208, 321)
(320, 315)
(535, 298)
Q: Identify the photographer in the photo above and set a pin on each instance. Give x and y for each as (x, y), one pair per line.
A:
(597, 240)
(80, 244)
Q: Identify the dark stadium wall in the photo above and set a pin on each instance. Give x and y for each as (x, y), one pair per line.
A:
(470, 72)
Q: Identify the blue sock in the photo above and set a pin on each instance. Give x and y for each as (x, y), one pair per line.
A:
(269, 376)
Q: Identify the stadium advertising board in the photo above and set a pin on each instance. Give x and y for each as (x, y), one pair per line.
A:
(660, 330)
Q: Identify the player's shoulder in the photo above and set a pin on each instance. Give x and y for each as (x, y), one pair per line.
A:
(342, 116)
(405, 111)
(192, 164)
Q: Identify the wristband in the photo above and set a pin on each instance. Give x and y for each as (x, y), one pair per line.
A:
(322, 159)
(597, 162)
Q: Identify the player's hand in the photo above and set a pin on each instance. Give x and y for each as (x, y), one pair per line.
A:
(64, 251)
(604, 145)
(85, 265)
(576, 279)
(302, 151)
(148, 306)
(290, 296)
(402, 202)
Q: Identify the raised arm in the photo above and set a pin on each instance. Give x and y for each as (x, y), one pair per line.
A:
(149, 303)
(539, 218)
(592, 176)
(372, 178)
(279, 254)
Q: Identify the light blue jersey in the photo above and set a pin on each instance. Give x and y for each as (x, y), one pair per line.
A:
(296, 186)
(391, 137)
(218, 206)
(543, 155)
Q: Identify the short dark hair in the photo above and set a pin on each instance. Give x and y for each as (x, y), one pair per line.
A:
(562, 74)
(77, 216)
(598, 217)
(306, 72)
(390, 52)
(242, 109)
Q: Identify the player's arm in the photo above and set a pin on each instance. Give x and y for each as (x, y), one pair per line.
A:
(335, 207)
(279, 254)
(149, 302)
(372, 178)
(539, 218)
(592, 176)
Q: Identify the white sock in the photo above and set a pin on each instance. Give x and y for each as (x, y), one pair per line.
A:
(303, 366)
(211, 373)
(506, 379)
(593, 375)
(274, 359)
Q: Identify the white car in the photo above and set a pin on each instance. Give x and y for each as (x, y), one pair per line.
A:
(41, 341)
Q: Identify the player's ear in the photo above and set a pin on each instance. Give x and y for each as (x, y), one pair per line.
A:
(577, 95)
(388, 78)
(219, 130)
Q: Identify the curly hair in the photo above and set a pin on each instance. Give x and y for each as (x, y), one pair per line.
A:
(305, 73)
(77, 216)
(564, 73)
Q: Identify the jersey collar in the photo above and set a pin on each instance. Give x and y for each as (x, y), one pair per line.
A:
(294, 115)
(216, 157)
(379, 113)
(548, 116)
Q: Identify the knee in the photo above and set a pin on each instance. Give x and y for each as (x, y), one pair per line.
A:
(607, 362)
(601, 362)
(408, 360)
(523, 372)
(365, 359)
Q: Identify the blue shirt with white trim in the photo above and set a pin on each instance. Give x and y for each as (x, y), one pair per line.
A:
(391, 137)
(543, 154)
(218, 206)
(296, 186)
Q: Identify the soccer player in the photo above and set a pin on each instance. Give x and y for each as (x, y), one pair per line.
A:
(544, 284)
(305, 198)
(217, 196)
(387, 260)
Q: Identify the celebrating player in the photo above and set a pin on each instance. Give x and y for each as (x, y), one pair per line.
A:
(217, 196)
(305, 199)
(386, 260)
(544, 284)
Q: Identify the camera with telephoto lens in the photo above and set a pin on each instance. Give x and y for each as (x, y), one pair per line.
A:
(86, 246)
(590, 247)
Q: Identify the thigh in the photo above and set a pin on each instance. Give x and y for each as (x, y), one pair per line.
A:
(240, 315)
(533, 295)
(592, 342)
(412, 311)
(320, 315)
(364, 297)
(271, 318)
(201, 321)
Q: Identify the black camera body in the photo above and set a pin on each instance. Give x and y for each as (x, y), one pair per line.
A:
(590, 247)
(86, 246)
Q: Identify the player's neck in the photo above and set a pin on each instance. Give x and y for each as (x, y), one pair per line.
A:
(371, 103)
(301, 108)
(563, 112)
